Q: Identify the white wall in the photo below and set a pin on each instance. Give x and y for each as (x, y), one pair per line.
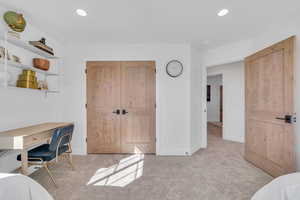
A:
(213, 106)
(238, 51)
(19, 107)
(196, 104)
(173, 95)
(233, 99)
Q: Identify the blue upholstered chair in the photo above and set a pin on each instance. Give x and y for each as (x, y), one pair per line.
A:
(60, 144)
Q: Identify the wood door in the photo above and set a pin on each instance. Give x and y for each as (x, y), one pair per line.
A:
(138, 99)
(103, 97)
(269, 95)
(124, 86)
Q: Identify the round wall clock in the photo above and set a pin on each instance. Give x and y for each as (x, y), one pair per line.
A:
(174, 68)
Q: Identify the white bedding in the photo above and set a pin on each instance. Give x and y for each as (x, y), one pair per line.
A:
(283, 188)
(19, 187)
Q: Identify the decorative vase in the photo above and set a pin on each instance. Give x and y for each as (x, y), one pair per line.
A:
(15, 21)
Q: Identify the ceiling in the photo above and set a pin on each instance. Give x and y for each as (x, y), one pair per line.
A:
(156, 21)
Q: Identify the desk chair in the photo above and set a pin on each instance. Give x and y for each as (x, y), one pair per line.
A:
(60, 144)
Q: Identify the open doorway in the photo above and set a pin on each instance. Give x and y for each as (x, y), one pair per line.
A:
(226, 102)
(259, 92)
(215, 105)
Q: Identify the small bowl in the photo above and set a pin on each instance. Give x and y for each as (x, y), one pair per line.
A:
(42, 64)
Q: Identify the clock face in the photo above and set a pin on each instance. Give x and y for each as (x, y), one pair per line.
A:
(174, 68)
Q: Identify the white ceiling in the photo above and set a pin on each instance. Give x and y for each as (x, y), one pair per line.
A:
(156, 21)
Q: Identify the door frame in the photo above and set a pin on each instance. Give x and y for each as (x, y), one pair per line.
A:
(238, 58)
(204, 103)
(156, 131)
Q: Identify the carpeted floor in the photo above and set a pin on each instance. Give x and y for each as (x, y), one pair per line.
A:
(217, 173)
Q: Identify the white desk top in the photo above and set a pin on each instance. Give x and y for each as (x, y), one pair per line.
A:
(31, 130)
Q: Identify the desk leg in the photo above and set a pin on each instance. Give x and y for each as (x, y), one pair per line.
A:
(24, 161)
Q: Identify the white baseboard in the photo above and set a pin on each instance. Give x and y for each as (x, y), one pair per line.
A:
(171, 152)
(239, 140)
(174, 152)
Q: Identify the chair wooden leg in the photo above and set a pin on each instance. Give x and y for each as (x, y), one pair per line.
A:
(50, 174)
(71, 161)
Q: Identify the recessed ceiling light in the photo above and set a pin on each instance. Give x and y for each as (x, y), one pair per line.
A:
(223, 12)
(81, 12)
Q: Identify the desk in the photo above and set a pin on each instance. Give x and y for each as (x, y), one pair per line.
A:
(25, 138)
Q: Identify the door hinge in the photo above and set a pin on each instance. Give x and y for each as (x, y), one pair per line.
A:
(86, 105)
(155, 106)
(86, 71)
(155, 70)
(86, 140)
(155, 140)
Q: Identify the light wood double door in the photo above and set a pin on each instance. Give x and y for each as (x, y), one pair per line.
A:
(121, 107)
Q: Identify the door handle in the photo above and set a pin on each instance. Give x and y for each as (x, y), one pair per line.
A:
(290, 119)
(116, 112)
(124, 112)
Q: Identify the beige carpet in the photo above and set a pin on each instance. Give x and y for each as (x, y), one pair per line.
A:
(217, 173)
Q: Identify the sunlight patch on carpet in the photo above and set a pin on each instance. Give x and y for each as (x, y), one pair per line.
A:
(119, 175)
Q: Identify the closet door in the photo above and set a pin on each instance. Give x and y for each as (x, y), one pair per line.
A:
(103, 100)
(138, 107)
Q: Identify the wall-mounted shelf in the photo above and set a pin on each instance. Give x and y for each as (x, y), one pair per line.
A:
(25, 45)
(22, 66)
(30, 89)
(28, 47)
